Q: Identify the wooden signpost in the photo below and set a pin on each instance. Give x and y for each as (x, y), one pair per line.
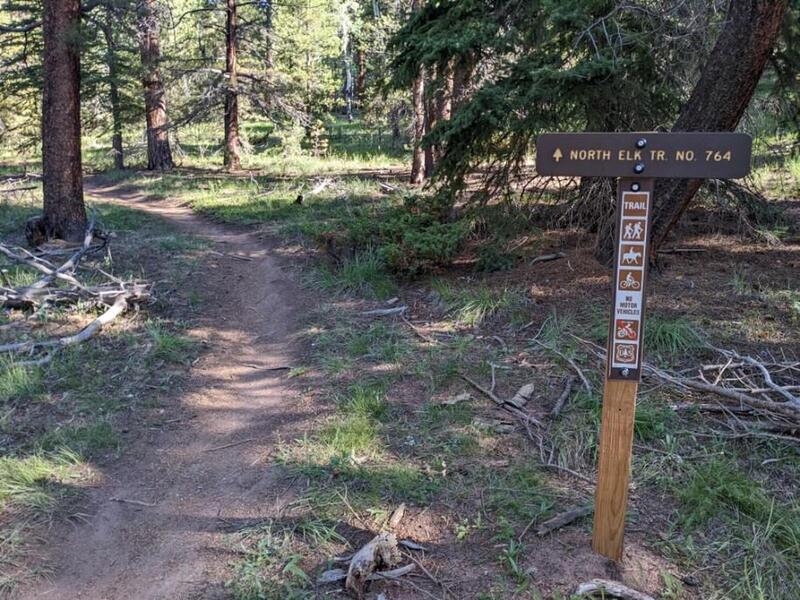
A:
(636, 159)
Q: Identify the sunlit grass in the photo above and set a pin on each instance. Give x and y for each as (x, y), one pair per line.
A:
(31, 482)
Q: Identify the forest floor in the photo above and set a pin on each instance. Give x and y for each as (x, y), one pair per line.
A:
(245, 482)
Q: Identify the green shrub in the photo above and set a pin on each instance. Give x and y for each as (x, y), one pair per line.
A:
(408, 240)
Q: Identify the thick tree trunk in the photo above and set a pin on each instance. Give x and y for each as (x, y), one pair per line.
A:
(64, 211)
(232, 160)
(720, 98)
(113, 84)
(159, 154)
(418, 103)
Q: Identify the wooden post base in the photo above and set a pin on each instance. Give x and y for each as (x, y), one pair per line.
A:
(616, 444)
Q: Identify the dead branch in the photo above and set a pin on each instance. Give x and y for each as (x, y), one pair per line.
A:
(547, 258)
(116, 309)
(562, 399)
(736, 386)
(571, 363)
(522, 416)
(604, 588)
(563, 519)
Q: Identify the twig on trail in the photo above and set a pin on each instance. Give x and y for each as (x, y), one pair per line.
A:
(419, 334)
(556, 467)
(547, 258)
(521, 415)
(571, 363)
(605, 588)
(385, 312)
(229, 255)
(239, 443)
(562, 399)
(445, 588)
(136, 502)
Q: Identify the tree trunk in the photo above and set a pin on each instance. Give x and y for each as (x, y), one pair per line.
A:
(721, 96)
(232, 160)
(444, 100)
(361, 74)
(418, 103)
(159, 154)
(113, 84)
(64, 212)
(269, 32)
(462, 79)
(431, 113)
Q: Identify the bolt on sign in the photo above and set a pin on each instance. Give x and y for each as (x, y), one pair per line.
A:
(637, 159)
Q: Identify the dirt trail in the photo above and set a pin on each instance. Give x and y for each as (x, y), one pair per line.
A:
(197, 489)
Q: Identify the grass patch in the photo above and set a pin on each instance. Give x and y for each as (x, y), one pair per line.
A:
(365, 274)
(19, 383)
(32, 482)
(754, 536)
(169, 346)
(271, 568)
(82, 439)
(670, 337)
(472, 306)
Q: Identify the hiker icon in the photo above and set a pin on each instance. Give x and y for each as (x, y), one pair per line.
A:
(633, 230)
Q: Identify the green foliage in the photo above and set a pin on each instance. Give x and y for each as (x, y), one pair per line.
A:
(363, 274)
(19, 383)
(671, 337)
(170, 346)
(271, 568)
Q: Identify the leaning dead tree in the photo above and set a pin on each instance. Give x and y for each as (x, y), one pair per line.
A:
(58, 286)
(722, 94)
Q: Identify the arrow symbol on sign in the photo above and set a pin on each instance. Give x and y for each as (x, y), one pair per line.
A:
(557, 154)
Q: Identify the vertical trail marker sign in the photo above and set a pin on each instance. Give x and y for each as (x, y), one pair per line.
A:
(637, 159)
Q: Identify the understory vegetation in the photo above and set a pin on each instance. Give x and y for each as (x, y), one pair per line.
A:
(62, 421)
(423, 311)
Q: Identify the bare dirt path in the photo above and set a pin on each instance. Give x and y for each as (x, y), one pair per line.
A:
(208, 472)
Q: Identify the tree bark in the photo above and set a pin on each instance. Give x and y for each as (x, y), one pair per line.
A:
(418, 103)
(361, 74)
(64, 211)
(431, 114)
(159, 154)
(113, 84)
(269, 33)
(721, 96)
(232, 159)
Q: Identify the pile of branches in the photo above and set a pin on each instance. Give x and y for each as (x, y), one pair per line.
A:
(58, 286)
(757, 397)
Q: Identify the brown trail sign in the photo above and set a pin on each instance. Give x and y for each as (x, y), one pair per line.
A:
(637, 159)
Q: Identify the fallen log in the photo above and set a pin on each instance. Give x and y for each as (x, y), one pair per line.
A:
(563, 519)
(604, 588)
